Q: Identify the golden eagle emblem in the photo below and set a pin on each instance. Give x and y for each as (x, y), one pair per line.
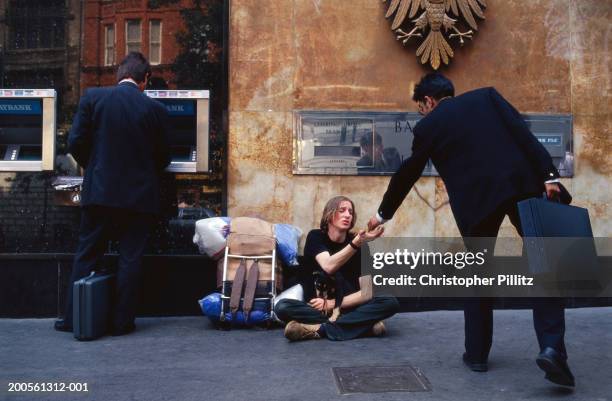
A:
(435, 47)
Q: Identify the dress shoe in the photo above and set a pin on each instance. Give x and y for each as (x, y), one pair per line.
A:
(295, 331)
(555, 366)
(121, 331)
(62, 325)
(475, 366)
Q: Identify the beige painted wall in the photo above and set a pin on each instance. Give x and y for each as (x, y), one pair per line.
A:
(545, 56)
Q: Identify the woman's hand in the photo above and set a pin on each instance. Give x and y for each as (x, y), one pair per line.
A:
(367, 236)
(373, 234)
(320, 304)
(317, 303)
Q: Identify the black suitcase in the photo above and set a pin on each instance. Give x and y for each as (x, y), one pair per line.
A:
(558, 240)
(544, 218)
(92, 306)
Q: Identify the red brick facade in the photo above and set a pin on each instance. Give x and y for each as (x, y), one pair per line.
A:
(97, 14)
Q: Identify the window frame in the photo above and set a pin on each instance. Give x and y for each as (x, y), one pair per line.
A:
(159, 42)
(127, 42)
(113, 46)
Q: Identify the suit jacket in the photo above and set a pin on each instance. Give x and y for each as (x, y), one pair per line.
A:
(483, 151)
(119, 135)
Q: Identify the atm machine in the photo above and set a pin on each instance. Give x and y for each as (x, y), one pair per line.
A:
(188, 112)
(27, 129)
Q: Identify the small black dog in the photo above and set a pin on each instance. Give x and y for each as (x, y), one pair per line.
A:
(328, 287)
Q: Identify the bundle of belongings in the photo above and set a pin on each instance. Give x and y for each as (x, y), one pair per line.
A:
(248, 269)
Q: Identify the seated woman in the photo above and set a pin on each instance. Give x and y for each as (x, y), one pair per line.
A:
(334, 250)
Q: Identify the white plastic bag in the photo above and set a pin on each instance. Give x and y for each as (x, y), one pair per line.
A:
(211, 234)
(296, 292)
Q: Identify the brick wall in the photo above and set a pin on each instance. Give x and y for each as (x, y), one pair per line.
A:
(99, 14)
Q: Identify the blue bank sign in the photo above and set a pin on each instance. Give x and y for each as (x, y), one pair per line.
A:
(18, 106)
(179, 107)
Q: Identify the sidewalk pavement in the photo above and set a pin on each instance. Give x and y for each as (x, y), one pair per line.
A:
(187, 359)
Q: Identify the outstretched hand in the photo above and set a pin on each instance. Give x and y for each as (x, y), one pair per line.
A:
(370, 235)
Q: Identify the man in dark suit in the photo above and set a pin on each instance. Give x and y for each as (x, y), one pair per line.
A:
(119, 137)
(488, 160)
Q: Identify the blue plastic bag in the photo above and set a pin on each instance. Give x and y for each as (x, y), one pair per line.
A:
(287, 243)
(211, 307)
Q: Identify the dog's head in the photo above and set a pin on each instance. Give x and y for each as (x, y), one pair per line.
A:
(324, 285)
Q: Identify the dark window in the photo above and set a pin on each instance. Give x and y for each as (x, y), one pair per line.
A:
(109, 44)
(36, 24)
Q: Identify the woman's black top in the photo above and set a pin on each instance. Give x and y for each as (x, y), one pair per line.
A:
(347, 276)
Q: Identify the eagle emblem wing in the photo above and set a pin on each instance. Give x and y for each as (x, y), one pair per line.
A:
(436, 19)
(402, 7)
(467, 8)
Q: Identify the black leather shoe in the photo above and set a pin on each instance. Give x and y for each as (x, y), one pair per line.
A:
(61, 325)
(557, 371)
(475, 366)
(124, 330)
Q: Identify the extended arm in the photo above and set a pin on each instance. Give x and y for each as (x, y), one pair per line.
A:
(332, 263)
(405, 177)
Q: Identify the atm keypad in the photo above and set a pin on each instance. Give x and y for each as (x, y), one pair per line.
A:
(12, 153)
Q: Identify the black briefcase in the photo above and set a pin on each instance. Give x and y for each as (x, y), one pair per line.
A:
(558, 239)
(92, 306)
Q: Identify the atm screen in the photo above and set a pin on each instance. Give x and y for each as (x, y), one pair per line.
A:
(31, 152)
(183, 134)
(20, 129)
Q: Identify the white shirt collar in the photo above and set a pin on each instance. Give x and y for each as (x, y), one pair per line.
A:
(128, 80)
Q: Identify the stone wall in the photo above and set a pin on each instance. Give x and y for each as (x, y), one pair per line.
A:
(545, 56)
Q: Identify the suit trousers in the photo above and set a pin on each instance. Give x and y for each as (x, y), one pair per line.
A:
(548, 313)
(99, 225)
(351, 324)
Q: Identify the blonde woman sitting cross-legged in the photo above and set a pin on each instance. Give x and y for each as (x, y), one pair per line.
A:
(340, 304)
